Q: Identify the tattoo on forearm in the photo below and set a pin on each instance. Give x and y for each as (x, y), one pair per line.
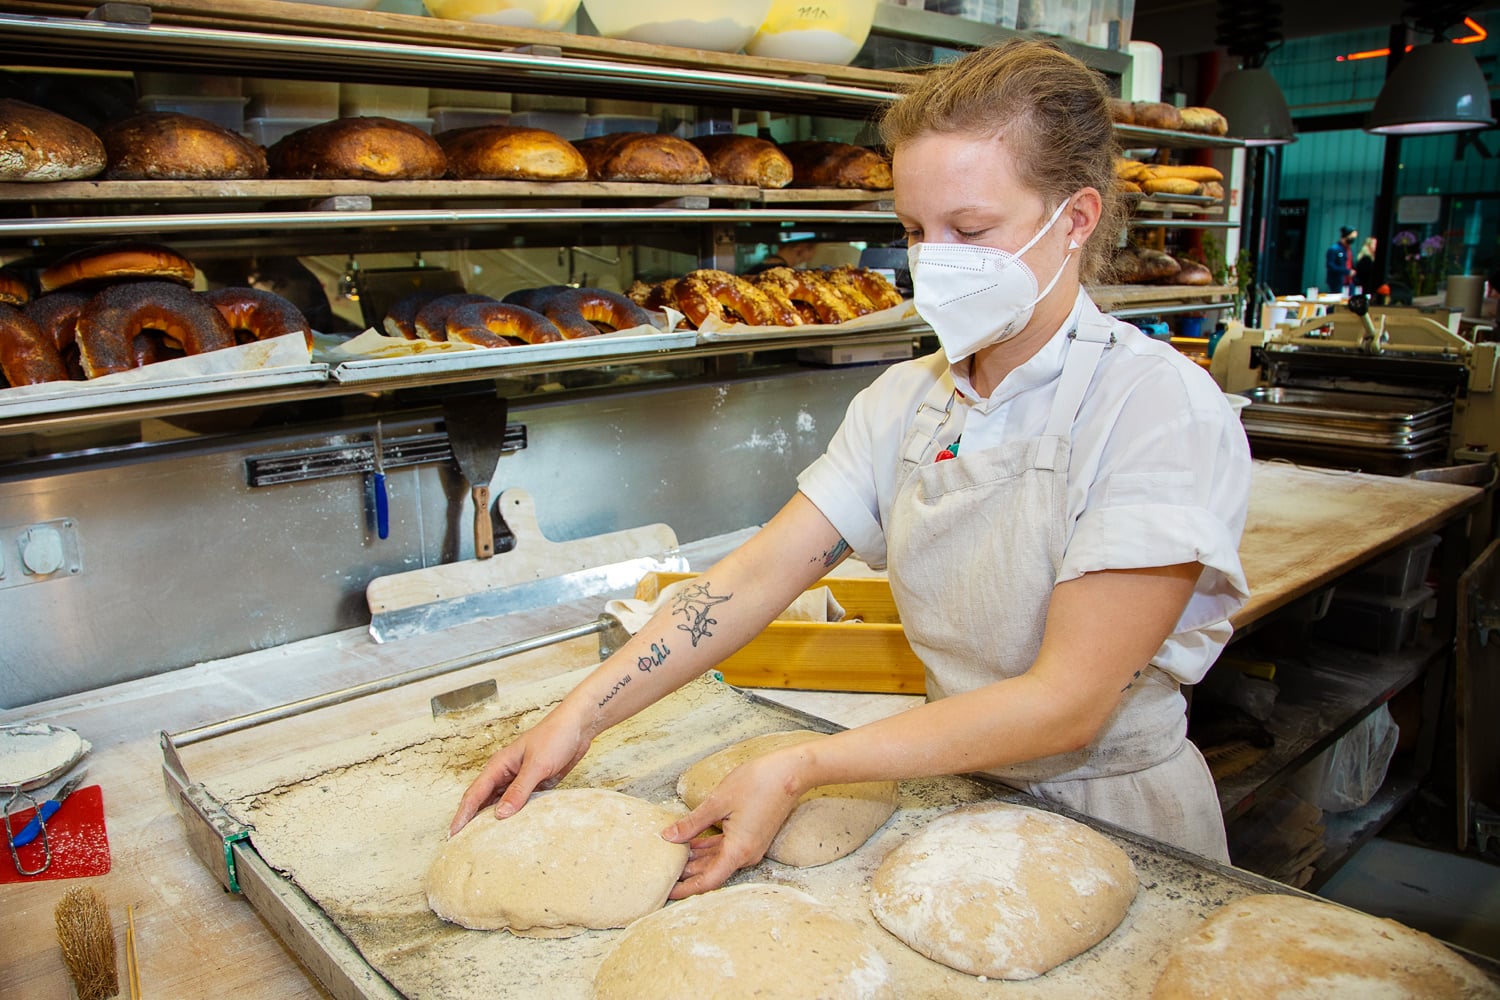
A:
(694, 603)
(619, 686)
(658, 656)
(830, 558)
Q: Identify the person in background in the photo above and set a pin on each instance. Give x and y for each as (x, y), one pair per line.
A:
(1058, 500)
(1365, 278)
(1339, 261)
(794, 254)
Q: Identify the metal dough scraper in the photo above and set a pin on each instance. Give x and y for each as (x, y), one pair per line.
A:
(476, 434)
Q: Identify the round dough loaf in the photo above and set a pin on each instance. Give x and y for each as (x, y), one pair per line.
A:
(828, 822)
(1003, 891)
(573, 859)
(770, 942)
(164, 145)
(41, 145)
(366, 149)
(1274, 946)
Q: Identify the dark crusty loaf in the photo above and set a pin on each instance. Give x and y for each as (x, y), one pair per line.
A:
(744, 159)
(377, 149)
(837, 165)
(643, 156)
(41, 145)
(163, 145)
(504, 152)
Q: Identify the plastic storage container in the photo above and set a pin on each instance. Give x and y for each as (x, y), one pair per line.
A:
(187, 85)
(1374, 622)
(548, 15)
(292, 99)
(829, 32)
(715, 25)
(358, 100)
(442, 97)
(998, 12)
(1110, 22)
(1067, 18)
(568, 124)
(226, 112)
(267, 130)
(1398, 573)
(446, 119)
(607, 124)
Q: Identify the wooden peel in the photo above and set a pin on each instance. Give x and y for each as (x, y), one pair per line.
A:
(476, 433)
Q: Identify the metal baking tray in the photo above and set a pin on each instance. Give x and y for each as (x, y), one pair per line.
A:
(1345, 417)
(296, 837)
(67, 397)
(603, 346)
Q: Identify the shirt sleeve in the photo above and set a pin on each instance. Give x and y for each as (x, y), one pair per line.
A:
(1172, 488)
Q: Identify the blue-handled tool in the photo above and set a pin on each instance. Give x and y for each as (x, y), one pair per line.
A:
(46, 811)
(382, 501)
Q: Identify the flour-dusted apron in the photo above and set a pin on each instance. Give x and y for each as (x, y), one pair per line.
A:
(973, 548)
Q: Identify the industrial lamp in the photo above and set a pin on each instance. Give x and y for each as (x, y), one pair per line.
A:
(1254, 107)
(1437, 87)
(1249, 98)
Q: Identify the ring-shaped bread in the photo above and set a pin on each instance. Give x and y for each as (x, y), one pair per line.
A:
(496, 324)
(256, 314)
(113, 319)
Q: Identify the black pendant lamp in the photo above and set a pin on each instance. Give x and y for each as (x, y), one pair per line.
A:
(1437, 87)
(1249, 98)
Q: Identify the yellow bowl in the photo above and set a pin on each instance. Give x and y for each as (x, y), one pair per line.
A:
(831, 31)
(548, 15)
(715, 25)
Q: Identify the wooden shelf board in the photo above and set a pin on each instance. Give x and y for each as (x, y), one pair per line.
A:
(1108, 296)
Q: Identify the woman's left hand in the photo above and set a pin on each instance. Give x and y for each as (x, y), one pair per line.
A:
(749, 806)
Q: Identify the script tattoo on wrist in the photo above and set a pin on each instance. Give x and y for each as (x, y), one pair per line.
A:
(830, 558)
(695, 603)
(620, 685)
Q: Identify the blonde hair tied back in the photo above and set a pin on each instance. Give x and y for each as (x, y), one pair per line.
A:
(1053, 112)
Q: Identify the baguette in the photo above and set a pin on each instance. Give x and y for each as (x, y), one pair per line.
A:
(1192, 173)
(1204, 120)
(1170, 185)
(1130, 170)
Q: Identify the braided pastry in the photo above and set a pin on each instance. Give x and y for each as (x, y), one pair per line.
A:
(881, 293)
(816, 299)
(724, 296)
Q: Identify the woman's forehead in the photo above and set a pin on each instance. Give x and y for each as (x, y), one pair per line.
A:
(943, 171)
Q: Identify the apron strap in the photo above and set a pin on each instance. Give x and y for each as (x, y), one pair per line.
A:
(933, 414)
(1094, 335)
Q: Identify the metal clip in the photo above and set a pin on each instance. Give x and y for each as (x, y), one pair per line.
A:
(24, 797)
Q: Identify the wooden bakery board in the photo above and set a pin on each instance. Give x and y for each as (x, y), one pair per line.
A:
(1114, 296)
(351, 804)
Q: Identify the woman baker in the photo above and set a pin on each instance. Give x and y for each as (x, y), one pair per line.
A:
(1058, 500)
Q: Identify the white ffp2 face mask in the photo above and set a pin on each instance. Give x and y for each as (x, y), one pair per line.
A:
(975, 296)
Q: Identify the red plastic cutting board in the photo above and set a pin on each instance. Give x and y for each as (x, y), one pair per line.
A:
(76, 832)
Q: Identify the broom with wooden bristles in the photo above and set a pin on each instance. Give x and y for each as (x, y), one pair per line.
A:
(88, 943)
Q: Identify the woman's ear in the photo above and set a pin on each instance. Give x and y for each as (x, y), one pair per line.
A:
(1082, 216)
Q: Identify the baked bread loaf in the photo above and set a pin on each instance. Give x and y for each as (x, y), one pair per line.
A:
(744, 159)
(497, 324)
(1203, 120)
(501, 152)
(93, 266)
(56, 315)
(162, 145)
(256, 314)
(113, 320)
(27, 355)
(1122, 111)
(1169, 185)
(13, 290)
(1192, 273)
(1279, 947)
(837, 165)
(41, 145)
(373, 149)
(1157, 114)
(431, 320)
(1140, 266)
(643, 156)
(587, 312)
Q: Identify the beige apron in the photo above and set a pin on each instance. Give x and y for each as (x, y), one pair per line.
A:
(973, 548)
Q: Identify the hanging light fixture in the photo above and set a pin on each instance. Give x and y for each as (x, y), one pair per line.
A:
(1437, 87)
(1248, 97)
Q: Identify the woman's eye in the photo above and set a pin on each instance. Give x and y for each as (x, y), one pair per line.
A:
(974, 235)
(914, 236)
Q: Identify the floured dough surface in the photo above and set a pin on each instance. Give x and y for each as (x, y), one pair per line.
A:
(571, 860)
(770, 942)
(828, 822)
(1003, 891)
(1275, 947)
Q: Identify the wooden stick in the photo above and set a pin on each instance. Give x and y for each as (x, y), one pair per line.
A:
(132, 967)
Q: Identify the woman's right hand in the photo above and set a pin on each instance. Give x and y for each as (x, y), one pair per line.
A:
(538, 758)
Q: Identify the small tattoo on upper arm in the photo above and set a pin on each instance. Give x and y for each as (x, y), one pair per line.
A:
(694, 603)
(830, 558)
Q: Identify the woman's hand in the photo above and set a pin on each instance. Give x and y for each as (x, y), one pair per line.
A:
(539, 758)
(749, 806)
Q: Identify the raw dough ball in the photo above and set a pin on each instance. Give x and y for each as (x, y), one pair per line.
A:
(828, 822)
(1275, 946)
(770, 942)
(1003, 891)
(571, 860)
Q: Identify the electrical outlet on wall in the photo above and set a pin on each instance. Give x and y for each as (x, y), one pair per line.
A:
(38, 552)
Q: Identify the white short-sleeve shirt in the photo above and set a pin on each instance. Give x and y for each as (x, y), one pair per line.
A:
(1159, 471)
